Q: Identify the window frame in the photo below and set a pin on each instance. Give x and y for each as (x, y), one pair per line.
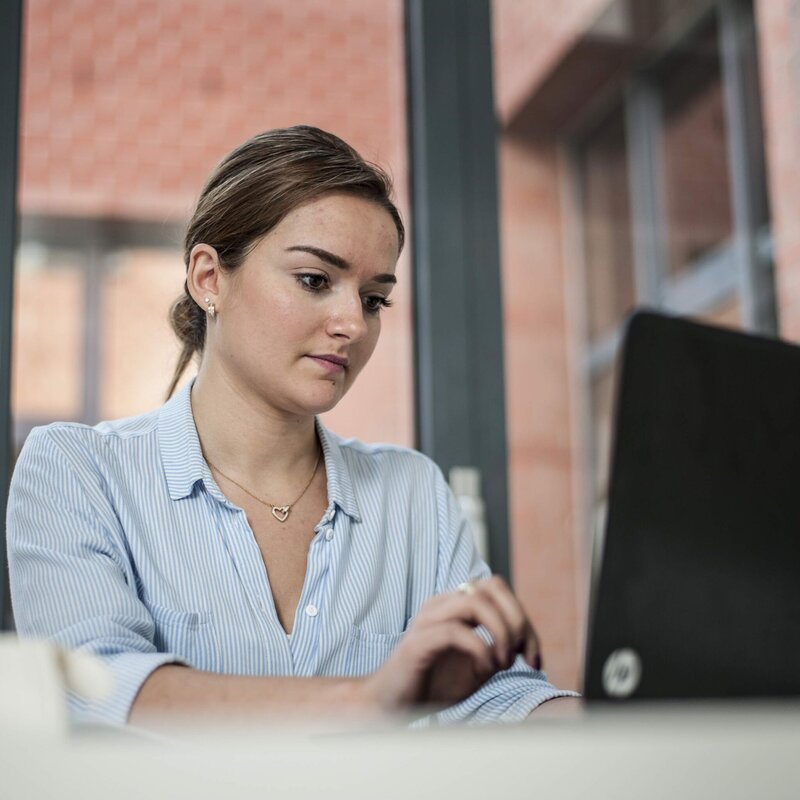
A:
(10, 60)
(741, 267)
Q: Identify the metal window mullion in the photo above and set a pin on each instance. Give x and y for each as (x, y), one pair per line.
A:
(602, 354)
(742, 117)
(459, 372)
(10, 57)
(94, 277)
(708, 283)
(575, 207)
(438, 242)
(643, 131)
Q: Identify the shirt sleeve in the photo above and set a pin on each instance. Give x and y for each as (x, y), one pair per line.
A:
(510, 695)
(71, 580)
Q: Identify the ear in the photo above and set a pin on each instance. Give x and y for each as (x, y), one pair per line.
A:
(202, 275)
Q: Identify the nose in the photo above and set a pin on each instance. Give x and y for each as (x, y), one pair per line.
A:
(347, 318)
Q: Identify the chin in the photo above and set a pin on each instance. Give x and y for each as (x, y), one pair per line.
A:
(321, 404)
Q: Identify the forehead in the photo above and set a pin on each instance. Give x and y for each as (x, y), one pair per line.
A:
(351, 227)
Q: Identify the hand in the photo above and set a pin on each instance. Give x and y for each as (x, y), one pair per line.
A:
(441, 659)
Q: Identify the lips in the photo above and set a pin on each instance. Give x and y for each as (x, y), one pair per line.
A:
(331, 363)
(338, 360)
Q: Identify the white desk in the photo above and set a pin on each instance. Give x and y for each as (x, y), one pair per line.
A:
(675, 752)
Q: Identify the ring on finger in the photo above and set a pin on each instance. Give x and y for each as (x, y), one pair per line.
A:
(468, 587)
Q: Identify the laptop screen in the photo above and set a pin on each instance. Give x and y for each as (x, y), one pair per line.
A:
(698, 593)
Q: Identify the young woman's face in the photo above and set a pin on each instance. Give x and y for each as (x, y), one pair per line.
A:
(310, 293)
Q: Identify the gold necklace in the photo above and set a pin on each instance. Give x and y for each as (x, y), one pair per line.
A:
(281, 513)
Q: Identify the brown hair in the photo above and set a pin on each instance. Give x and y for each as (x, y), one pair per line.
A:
(252, 189)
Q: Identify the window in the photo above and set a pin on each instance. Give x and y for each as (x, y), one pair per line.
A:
(607, 227)
(672, 198)
(694, 153)
(91, 337)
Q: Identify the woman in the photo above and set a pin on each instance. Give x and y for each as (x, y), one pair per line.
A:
(227, 553)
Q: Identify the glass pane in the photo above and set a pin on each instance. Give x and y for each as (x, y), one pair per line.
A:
(47, 355)
(695, 153)
(125, 111)
(139, 348)
(727, 315)
(607, 227)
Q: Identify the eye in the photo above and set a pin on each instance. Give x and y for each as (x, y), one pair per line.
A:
(312, 281)
(373, 303)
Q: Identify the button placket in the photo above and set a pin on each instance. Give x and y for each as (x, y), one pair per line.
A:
(309, 599)
(309, 625)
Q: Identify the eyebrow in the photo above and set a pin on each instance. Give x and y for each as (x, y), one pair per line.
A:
(338, 261)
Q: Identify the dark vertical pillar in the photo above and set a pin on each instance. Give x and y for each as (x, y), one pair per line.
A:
(10, 54)
(747, 167)
(460, 393)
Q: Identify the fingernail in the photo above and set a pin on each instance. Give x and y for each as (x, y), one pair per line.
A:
(537, 662)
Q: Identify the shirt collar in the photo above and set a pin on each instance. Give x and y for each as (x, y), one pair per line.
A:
(181, 455)
(184, 464)
(340, 484)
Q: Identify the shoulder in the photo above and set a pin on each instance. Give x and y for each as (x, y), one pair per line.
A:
(390, 473)
(77, 442)
(385, 457)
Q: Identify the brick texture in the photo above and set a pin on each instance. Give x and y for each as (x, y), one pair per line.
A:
(530, 36)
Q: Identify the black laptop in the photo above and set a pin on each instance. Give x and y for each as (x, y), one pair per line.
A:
(697, 594)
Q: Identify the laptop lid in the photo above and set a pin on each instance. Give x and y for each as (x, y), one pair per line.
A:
(698, 591)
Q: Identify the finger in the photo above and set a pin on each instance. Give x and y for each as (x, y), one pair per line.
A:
(476, 609)
(455, 636)
(533, 653)
(524, 637)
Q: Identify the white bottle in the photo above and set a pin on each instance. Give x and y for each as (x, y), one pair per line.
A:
(466, 485)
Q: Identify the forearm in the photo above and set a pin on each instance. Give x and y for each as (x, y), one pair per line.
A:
(558, 708)
(177, 691)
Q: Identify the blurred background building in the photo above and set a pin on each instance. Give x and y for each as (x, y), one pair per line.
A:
(647, 154)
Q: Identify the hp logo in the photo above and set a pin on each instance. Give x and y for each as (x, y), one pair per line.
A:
(622, 673)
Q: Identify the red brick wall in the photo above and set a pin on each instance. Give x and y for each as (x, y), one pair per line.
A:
(544, 451)
(538, 403)
(128, 104)
(530, 36)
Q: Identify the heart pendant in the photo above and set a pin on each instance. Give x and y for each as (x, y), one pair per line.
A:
(280, 513)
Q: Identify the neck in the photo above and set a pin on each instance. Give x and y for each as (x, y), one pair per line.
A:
(249, 440)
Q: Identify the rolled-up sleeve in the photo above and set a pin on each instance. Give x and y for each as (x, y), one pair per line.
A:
(71, 580)
(510, 695)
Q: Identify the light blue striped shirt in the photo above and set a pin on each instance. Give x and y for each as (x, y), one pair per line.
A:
(121, 543)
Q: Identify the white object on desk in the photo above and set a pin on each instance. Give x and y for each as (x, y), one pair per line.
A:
(466, 485)
(34, 678)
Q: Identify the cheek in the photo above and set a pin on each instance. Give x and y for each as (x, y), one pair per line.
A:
(276, 314)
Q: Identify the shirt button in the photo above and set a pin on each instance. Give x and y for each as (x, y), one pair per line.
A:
(329, 534)
(333, 512)
(312, 610)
